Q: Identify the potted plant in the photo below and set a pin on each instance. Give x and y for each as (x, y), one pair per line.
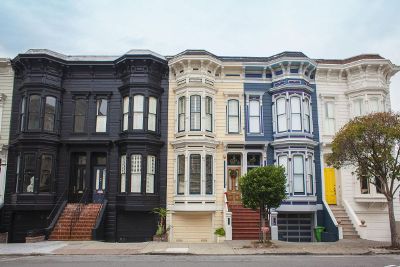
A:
(162, 230)
(220, 233)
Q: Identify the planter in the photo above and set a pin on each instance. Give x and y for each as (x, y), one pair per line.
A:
(160, 238)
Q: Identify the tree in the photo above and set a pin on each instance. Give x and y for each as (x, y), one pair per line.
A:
(263, 188)
(371, 144)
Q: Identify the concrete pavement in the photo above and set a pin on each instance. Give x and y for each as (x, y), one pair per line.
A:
(237, 247)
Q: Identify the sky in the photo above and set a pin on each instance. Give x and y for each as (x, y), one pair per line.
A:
(320, 29)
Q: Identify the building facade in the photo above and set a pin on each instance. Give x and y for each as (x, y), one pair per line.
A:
(88, 126)
(346, 89)
(6, 89)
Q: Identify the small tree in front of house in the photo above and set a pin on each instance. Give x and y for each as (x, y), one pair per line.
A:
(263, 188)
(371, 144)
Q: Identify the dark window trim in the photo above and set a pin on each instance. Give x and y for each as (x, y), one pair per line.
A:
(182, 113)
(209, 98)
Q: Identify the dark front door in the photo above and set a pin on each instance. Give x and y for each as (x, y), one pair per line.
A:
(78, 179)
(99, 177)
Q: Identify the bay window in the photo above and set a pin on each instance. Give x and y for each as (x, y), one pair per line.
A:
(49, 113)
(281, 114)
(138, 109)
(357, 107)
(195, 174)
(209, 114)
(81, 108)
(209, 175)
(152, 118)
(123, 173)
(101, 115)
(195, 113)
(151, 170)
(254, 115)
(233, 116)
(181, 113)
(46, 166)
(34, 112)
(298, 175)
(125, 113)
(295, 106)
(28, 173)
(307, 115)
(180, 175)
(283, 161)
(136, 173)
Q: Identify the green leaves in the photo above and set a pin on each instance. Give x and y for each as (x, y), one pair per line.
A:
(263, 186)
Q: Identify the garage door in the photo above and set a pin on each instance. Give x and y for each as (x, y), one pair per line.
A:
(295, 227)
(192, 228)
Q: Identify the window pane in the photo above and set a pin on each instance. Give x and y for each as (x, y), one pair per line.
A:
(296, 122)
(282, 123)
(195, 166)
(126, 105)
(373, 105)
(208, 114)
(281, 106)
(233, 124)
(254, 125)
(254, 108)
(123, 173)
(138, 112)
(181, 175)
(283, 161)
(233, 108)
(307, 107)
(209, 175)
(298, 174)
(357, 111)
(153, 105)
(195, 102)
(152, 119)
(101, 124)
(45, 173)
(29, 173)
(34, 112)
(22, 117)
(50, 111)
(329, 112)
(364, 183)
(136, 173)
(151, 170)
(102, 107)
(181, 113)
(295, 104)
(138, 103)
(208, 105)
(195, 121)
(152, 122)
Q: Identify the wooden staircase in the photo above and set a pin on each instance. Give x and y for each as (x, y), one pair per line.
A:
(349, 232)
(82, 229)
(245, 223)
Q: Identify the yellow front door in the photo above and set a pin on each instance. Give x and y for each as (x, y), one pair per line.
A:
(330, 185)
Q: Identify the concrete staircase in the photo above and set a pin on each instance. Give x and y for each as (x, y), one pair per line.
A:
(245, 223)
(349, 232)
(82, 230)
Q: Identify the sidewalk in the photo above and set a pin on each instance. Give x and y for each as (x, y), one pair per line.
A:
(238, 247)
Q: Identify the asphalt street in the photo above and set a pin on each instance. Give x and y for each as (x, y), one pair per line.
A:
(200, 261)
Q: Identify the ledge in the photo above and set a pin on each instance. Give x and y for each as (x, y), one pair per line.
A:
(370, 199)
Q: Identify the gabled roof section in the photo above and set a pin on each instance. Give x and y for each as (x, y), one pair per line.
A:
(349, 60)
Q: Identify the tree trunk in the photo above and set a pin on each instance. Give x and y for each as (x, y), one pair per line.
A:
(262, 217)
(392, 222)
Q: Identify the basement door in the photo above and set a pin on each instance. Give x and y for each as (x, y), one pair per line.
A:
(192, 228)
(295, 227)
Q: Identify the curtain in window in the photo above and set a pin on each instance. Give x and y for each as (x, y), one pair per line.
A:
(181, 113)
(181, 175)
(281, 114)
(195, 174)
(151, 170)
(123, 173)
(295, 105)
(136, 173)
(138, 108)
(152, 114)
(209, 113)
(34, 112)
(254, 116)
(125, 113)
(101, 120)
(195, 113)
(233, 116)
(209, 174)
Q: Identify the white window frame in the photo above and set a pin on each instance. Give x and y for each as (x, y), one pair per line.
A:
(280, 128)
(256, 117)
(299, 113)
(138, 112)
(235, 116)
(194, 114)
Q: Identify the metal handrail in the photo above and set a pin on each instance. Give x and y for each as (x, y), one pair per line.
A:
(56, 207)
(78, 210)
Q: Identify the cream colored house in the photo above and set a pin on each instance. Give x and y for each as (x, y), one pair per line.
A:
(205, 107)
(346, 89)
(6, 88)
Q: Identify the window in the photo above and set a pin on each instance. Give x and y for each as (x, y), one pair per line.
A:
(195, 174)
(310, 176)
(283, 161)
(152, 114)
(378, 185)
(181, 113)
(22, 114)
(136, 173)
(209, 114)
(364, 185)
(151, 170)
(298, 175)
(138, 108)
(80, 115)
(307, 115)
(253, 161)
(195, 113)
(17, 189)
(125, 113)
(281, 114)
(373, 105)
(295, 106)
(34, 112)
(329, 118)
(101, 119)
(181, 175)
(28, 183)
(46, 166)
(254, 115)
(123, 173)
(233, 116)
(209, 175)
(357, 107)
(49, 113)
